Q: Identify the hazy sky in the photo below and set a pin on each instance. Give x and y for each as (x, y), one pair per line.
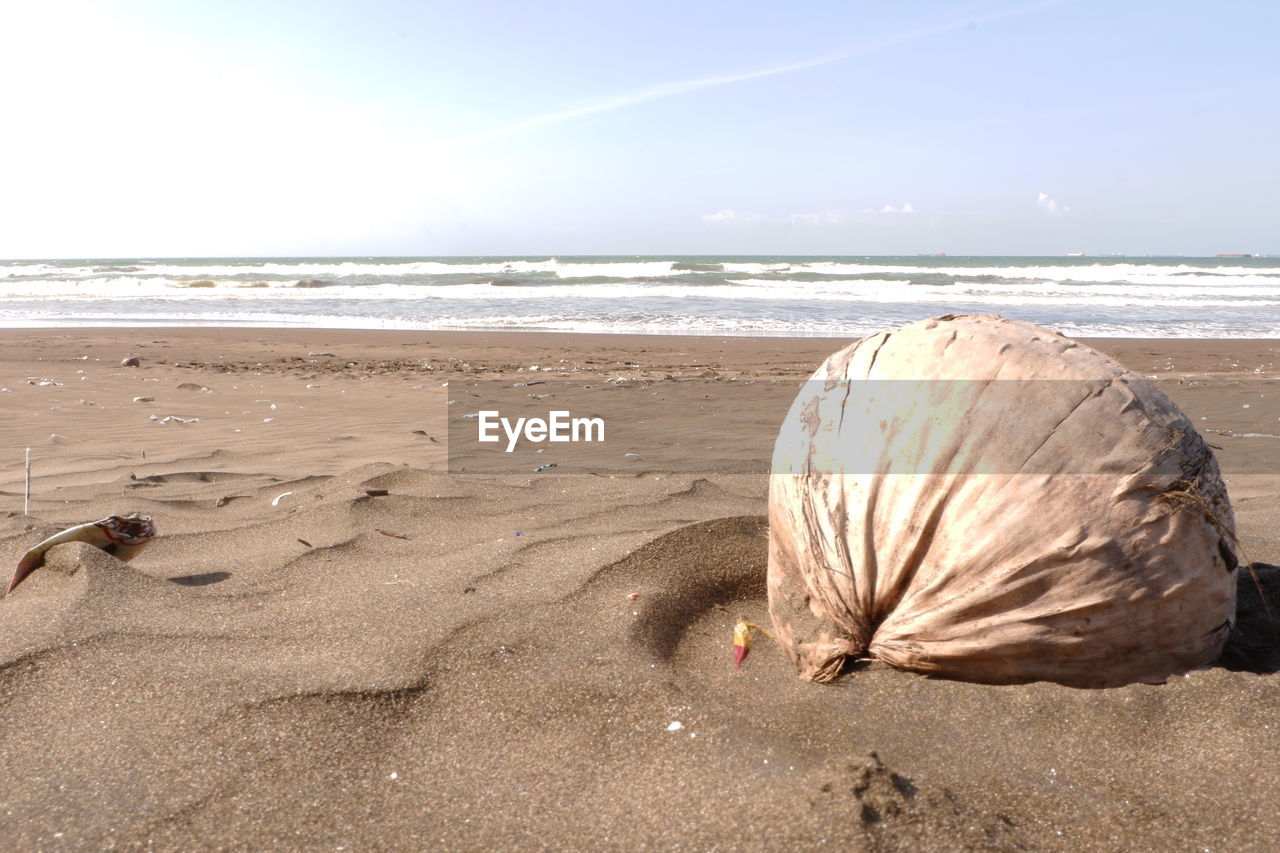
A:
(312, 127)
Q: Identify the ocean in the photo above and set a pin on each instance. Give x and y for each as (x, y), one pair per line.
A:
(735, 295)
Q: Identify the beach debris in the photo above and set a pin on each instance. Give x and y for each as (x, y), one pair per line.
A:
(530, 384)
(192, 386)
(305, 542)
(174, 419)
(131, 361)
(377, 493)
(321, 355)
(123, 537)
(43, 383)
(742, 640)
(392, 535)
(144, 399)
(1059, 519)
(632, 596)
(675, 726)
(276, 500)
(544, 467)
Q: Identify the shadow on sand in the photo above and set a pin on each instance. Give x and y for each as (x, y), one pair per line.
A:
(202, 579)
(1254, 644)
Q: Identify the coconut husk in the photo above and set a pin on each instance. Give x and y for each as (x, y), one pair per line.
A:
(983, 499)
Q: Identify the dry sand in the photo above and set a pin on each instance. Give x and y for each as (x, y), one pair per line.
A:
(461, 663)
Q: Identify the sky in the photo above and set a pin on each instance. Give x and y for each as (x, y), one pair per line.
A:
(173, 128)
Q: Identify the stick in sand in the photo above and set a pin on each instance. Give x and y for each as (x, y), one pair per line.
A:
(26, 491)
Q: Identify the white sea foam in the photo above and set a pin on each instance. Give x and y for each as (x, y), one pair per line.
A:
(1191, 298)
(1196, 294)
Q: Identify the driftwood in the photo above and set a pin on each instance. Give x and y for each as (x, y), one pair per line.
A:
(986, 500)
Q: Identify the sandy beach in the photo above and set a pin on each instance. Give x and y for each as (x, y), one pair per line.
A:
(344, 638)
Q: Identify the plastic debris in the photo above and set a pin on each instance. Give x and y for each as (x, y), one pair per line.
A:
(675, 726)
(542, 468)
(280, 497)
(742, 640)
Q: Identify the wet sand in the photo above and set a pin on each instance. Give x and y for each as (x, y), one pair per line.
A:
(479, 661)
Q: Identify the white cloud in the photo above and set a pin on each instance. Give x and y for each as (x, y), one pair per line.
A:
(730, 216)
(662, 91)
(815, 219)
(1051, 207)
(889, 208)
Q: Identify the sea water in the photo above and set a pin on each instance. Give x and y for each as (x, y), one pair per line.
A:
(741, 295)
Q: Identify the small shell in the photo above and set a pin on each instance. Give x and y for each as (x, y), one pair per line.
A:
(123, 537)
